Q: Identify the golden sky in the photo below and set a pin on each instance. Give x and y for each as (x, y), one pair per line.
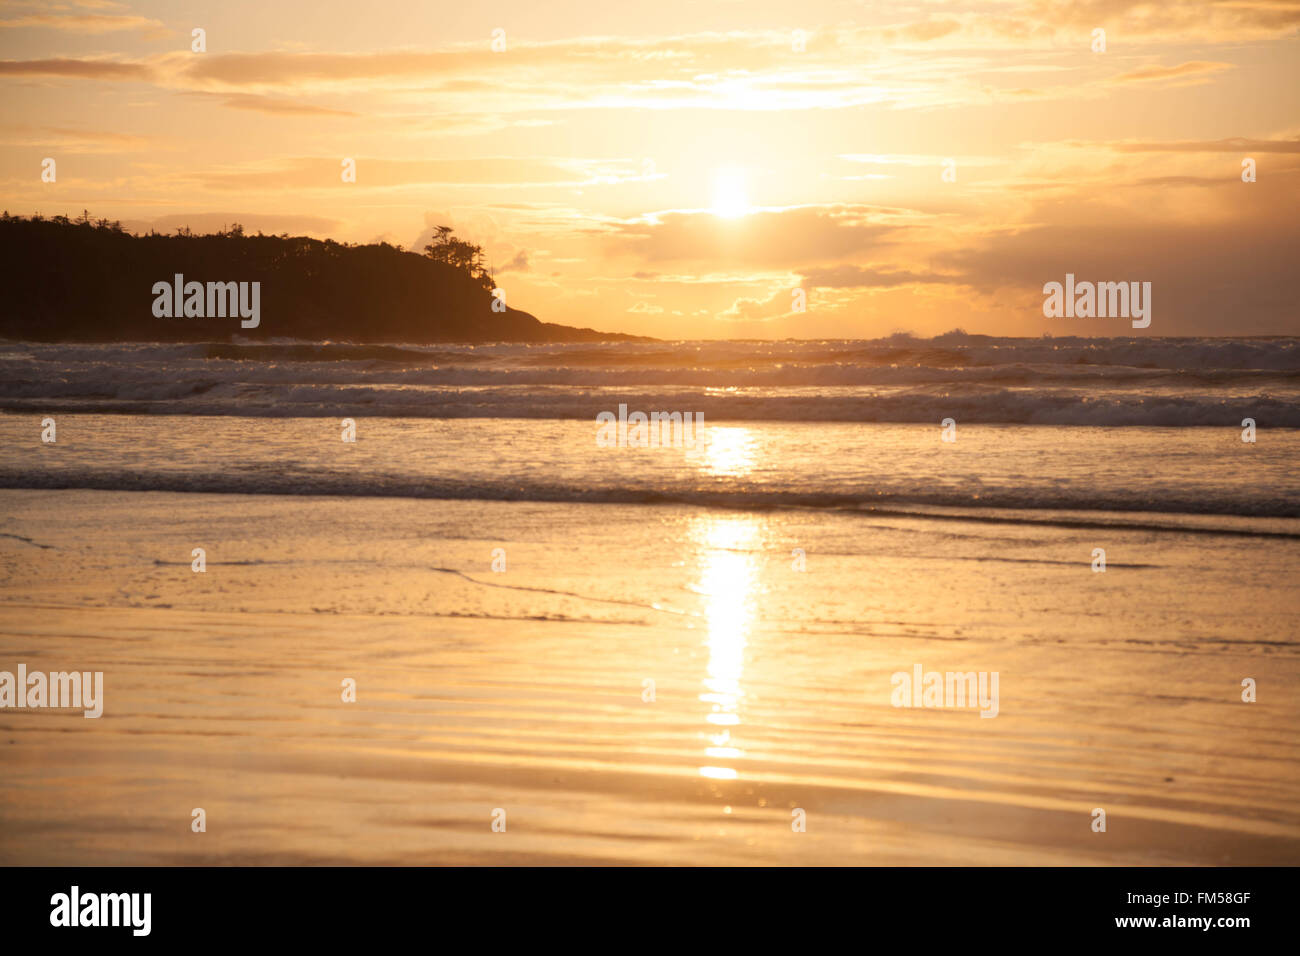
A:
(678, 169)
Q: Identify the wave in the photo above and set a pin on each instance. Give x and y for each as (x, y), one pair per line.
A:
(68, 380)
(969, 406)
(1051, 381)
(951, 350)
(1015, 502)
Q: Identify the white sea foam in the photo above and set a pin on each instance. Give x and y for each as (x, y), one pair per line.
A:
(1071, 381)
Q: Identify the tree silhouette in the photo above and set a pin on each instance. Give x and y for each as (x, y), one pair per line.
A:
(459, 254)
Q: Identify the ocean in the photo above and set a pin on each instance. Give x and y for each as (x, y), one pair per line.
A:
(1044, 424)
(972, 378)
(654, 654)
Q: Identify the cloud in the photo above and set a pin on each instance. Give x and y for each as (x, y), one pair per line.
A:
(784, 238)
(1234, 145)
(316, 172)
(518, 264)
(1225, 268)
(1171, 22)
(775, 306)
(84, 69)
(273, 105)
(90, 23)
(1193, 68)
(925, 63)
(864, 277)
(73, 140)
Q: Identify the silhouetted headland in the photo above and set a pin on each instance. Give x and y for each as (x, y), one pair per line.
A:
(89, 280)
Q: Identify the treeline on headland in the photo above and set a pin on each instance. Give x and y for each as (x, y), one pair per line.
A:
(87, 280)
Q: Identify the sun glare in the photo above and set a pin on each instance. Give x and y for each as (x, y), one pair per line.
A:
(728, 579)
(729, 199)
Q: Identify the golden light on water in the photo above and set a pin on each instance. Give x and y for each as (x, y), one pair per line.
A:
(718, 773)
(729, 451)
(728, 576)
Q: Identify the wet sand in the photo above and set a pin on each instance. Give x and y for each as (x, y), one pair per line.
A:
(523, 689)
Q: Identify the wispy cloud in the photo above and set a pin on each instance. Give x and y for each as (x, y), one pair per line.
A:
(88, 23)
(1196, 70)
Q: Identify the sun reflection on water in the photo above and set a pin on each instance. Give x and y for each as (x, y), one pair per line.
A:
(729, 451)
(728, 577)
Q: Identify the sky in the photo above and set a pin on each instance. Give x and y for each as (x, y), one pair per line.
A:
(820, 169)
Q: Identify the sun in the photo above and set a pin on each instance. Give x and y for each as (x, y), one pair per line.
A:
(729, 199)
